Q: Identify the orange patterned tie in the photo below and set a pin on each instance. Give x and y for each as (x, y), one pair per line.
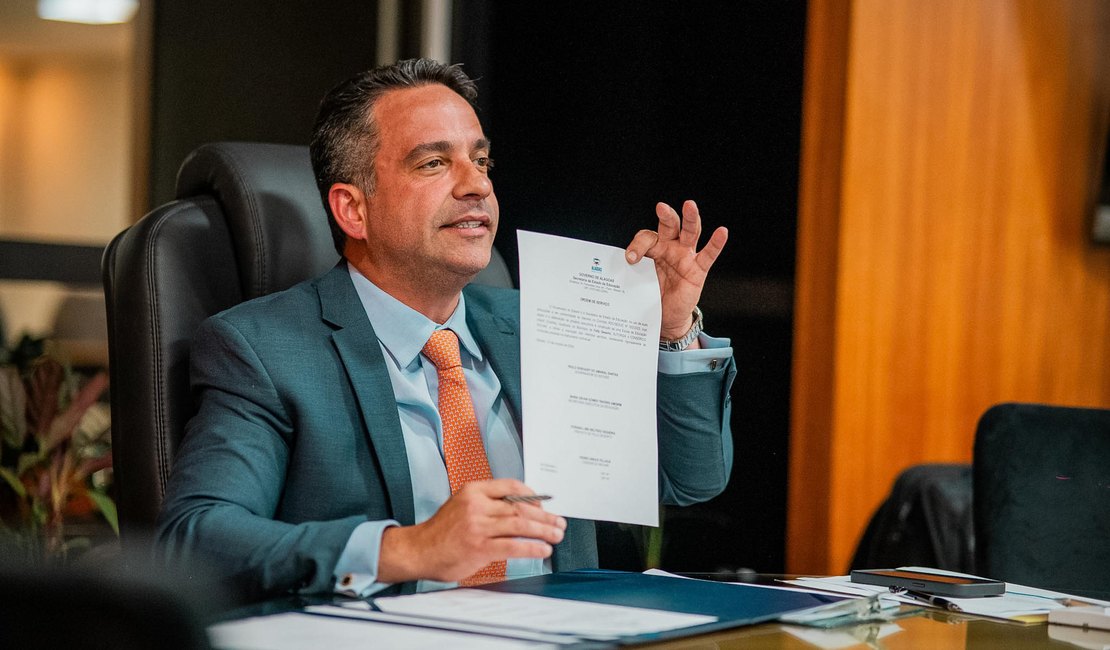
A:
(462, 441)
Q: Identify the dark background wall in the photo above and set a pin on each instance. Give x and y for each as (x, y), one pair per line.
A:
(597, 111)
(246, 70)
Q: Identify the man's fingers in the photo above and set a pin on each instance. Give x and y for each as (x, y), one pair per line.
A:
(521, 527)
(669, 222)
(486, 498)
(686, 231)
(641, 244)
(712, 248)
(691, 225)
(535, 512)
(509, 547)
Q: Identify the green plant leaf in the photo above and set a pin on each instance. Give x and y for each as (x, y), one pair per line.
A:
(13, 407)
(82, 543)
(107, 507)
(11, 479)
(39, 514)
(27, 461)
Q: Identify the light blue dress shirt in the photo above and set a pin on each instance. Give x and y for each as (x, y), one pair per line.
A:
(402, 332)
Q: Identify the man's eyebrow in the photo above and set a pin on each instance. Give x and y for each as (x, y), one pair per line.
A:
(425, 148)
(440, 146)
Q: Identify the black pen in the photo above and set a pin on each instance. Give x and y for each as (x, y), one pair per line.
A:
(525, 498)
(935, 601)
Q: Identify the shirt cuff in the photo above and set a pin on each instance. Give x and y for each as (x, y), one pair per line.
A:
(356, 572)
(714, 353)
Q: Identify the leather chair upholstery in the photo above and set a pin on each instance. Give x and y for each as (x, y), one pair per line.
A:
(1041, 478)
(926, 520)
(247, 221)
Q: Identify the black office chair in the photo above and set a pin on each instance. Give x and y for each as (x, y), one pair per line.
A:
(248, 221)
(926, 520)
(1042, 497)
(116, 604)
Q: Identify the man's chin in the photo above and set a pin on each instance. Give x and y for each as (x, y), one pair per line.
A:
(469, 271)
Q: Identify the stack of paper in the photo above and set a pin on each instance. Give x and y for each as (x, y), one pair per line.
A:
(458, 618)
(1020, 603)
(538, 613)
(293, 631)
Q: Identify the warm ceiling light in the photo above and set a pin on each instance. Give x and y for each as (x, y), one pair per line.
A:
(92, 12)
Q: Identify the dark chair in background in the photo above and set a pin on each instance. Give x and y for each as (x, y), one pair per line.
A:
(925, 521)
(117, 605)
(248, 221)
(1042, 497)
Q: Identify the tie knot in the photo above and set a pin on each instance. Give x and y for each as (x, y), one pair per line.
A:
(443, 349)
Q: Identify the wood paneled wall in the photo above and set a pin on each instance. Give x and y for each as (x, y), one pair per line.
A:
(950, 152)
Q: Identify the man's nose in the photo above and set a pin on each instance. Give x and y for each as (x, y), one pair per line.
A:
(473, 183)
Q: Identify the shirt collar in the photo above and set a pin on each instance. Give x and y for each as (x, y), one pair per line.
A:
(403, 330)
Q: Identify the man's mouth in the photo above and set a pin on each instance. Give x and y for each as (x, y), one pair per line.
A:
(469, 222)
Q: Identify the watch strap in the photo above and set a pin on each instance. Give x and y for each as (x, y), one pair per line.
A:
(679, 344)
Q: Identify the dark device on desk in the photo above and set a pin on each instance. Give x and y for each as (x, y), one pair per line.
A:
(930, 583)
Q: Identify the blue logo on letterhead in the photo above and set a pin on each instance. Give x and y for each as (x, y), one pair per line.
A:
(596, 268)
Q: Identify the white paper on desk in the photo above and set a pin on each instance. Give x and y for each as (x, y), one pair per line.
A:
(539, 613)
(1019, 603)
(795, 587)
(459, 626)
(589, 355)
(296, 631)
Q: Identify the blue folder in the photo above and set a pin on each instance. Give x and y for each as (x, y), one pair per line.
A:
(734, 605)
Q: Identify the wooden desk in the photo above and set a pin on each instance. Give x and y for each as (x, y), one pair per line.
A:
(931, 629)
(927, 629)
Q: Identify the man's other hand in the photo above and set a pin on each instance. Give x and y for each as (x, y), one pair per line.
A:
(681, 268)
(473, 528)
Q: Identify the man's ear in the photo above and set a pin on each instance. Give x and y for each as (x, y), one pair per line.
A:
(348, 205)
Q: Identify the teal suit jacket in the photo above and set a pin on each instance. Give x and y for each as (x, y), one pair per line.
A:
(297, 439)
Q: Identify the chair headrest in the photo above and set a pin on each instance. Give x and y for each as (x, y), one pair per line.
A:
(272, 206)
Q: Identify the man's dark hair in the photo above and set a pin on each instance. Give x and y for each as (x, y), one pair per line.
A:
(345, 137)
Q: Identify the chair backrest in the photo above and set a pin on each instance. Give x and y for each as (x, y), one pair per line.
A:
(247, 221)
(926, 520)
(1041, 499)
(112, 603)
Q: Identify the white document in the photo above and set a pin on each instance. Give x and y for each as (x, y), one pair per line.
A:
(539, 613)
(1019, 603)
(296, 631)
(589, 354)
(366, 614)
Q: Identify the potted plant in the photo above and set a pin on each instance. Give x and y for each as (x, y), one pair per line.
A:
(55, 454)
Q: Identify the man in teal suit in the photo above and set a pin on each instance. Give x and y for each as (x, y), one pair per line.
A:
(315, 460)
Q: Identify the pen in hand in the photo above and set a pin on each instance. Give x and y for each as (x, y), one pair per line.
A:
(525, 498)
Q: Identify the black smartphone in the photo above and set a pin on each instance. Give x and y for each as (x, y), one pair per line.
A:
(930, 583)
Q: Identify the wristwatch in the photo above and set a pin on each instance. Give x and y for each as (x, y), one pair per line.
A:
(676, 345)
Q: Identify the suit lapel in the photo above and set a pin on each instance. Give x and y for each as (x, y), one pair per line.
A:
(358, 349)
(496, 329)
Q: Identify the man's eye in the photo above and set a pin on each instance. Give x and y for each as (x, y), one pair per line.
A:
(432, 164)
(484, 162)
